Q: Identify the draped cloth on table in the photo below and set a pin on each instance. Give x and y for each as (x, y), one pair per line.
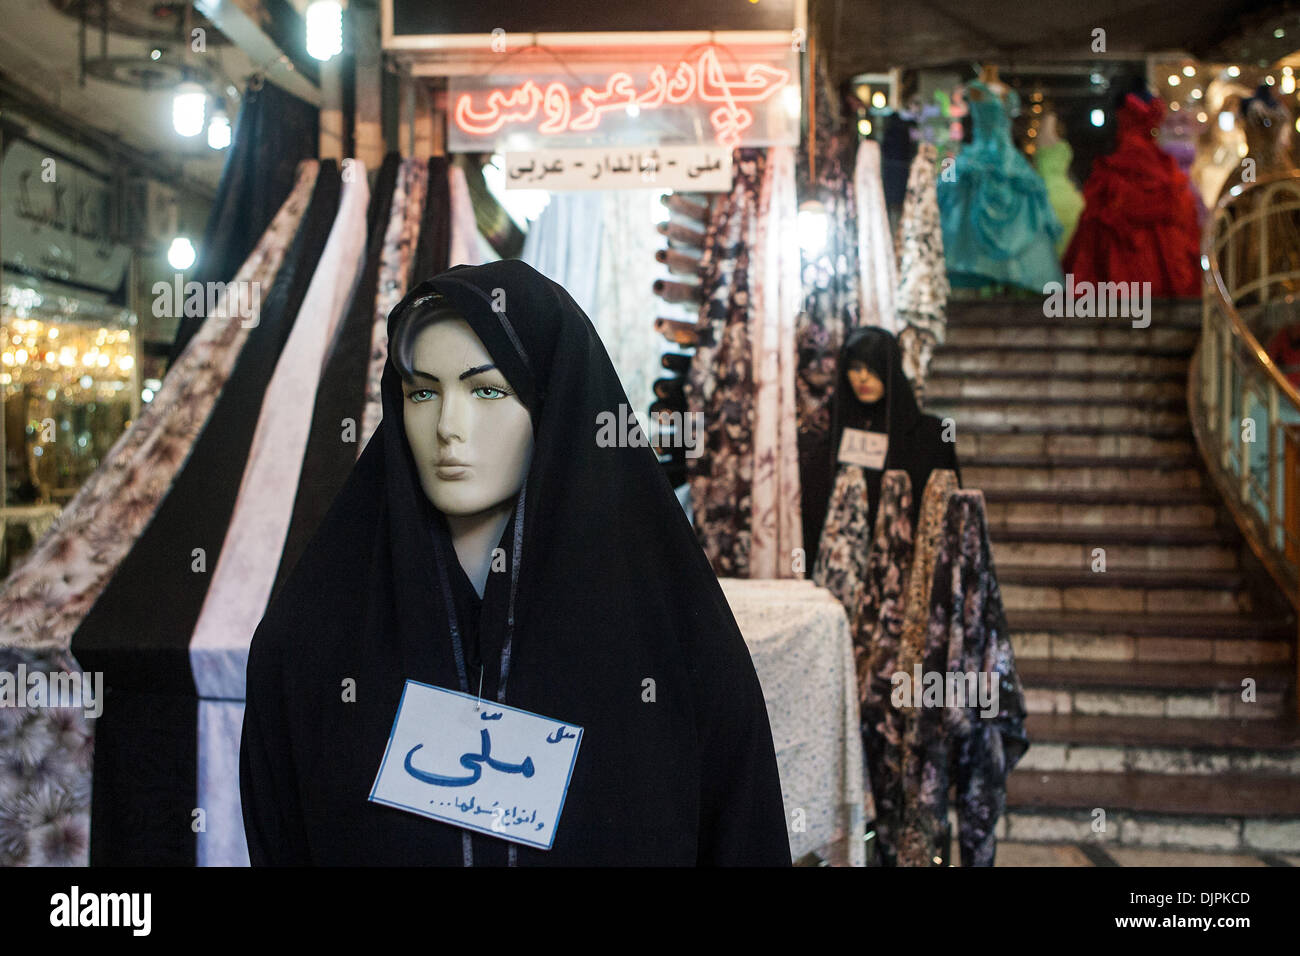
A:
(720, 385)
(777, 526)
(44, 599)
(880, 627)
(394, 279)
(274, 132)
(604, 588)
(876, 264)
(958, 746)
(139, 631)
(915, 842)
(922, 298)
(341, 397)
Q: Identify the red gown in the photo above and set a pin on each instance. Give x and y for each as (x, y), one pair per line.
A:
(1139, 219)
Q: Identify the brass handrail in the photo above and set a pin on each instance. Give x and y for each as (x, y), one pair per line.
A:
(1233, 382)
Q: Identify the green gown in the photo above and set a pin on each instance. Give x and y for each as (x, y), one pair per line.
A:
(1053, 164)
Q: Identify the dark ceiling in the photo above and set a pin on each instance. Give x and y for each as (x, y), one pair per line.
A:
(866, 35)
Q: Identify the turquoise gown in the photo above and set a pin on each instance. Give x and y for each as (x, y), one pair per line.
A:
(998, 224)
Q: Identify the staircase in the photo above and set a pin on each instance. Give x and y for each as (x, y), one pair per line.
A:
(1076, 429)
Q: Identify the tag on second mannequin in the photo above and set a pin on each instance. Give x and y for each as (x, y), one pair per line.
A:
(863, 448)
(498, 770)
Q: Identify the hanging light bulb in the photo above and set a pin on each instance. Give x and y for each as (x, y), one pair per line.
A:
(1098, 118)
(1189, 70)
(219, 130)
(188, 105)
(324, 29)
(1234, 71)
(1174, 79)
(878, 100)
(812, 226)
(180, 255)
(1288, 83)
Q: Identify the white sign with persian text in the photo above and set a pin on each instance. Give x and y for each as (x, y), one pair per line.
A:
(691, 168)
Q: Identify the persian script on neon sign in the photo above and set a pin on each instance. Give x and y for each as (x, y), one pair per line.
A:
(562, 111)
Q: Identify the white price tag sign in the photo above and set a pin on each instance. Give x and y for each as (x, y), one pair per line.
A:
(491, 768)
(863, 448)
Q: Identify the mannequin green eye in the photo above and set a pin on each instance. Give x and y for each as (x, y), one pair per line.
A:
(421, 394)
(496, 392)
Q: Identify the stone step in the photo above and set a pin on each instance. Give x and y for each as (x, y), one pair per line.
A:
(1063, 546)
(1033, 385)
(1199, 691)
(976, 440)
(1165, 313)
(1130, 507)
(1162, 419)
(1066, 472)
(1153, 340)
(959, 361)
(1228, 639)
(1220, 812)
(1133, 591)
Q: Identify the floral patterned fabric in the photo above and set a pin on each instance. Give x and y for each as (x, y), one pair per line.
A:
(915, 843)
(45, 599)
(880, 627)
(841, 564)
(777, 527)
(966, 633)
(45, 760)
(922, 297)
(394, 275)
(721, 382)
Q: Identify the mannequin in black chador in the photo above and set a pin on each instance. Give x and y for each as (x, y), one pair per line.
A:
(490, 559)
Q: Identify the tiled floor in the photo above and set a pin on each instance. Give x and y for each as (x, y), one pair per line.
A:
(1073, 854)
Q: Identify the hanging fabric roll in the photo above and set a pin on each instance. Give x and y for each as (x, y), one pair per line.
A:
(145, 754)
(880, 628)
(340, 399)
(922, 299)
(877, 268)
(841, 565)
(433, 248)
(274, 133)
(915, 842)
(721, 385)
(967, 747)
(45, 599)
(494, 223)
(467, 247)
(564, 245)
(625, 271)
(777, 526)
(394, 276)
(250, 553)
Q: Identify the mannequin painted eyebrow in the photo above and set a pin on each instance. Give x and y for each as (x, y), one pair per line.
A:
(463, 375)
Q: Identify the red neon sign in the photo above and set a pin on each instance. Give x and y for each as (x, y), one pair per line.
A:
(705, 81)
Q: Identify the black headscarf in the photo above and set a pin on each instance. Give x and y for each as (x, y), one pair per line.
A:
(606, 591)
(916, 442)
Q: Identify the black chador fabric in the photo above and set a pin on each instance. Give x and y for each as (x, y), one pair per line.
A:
(273, 132)
(606, 616)
(341, 394)
(916, 440)
(433, 248)
(138, 632)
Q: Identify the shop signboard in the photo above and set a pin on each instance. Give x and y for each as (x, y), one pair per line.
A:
(57, 220)
(690, 168)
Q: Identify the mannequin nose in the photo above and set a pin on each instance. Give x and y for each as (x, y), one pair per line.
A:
(453, 420)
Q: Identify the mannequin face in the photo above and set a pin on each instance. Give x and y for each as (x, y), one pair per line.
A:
(865, 384)
(470, 436)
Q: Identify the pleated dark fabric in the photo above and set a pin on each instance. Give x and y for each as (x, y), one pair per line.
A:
(433, 250)
(273, 132)
(494, 223)
(341, 394)
(605, 588)
(138, 633)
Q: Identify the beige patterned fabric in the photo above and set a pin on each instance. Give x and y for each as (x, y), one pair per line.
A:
(44, 600)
